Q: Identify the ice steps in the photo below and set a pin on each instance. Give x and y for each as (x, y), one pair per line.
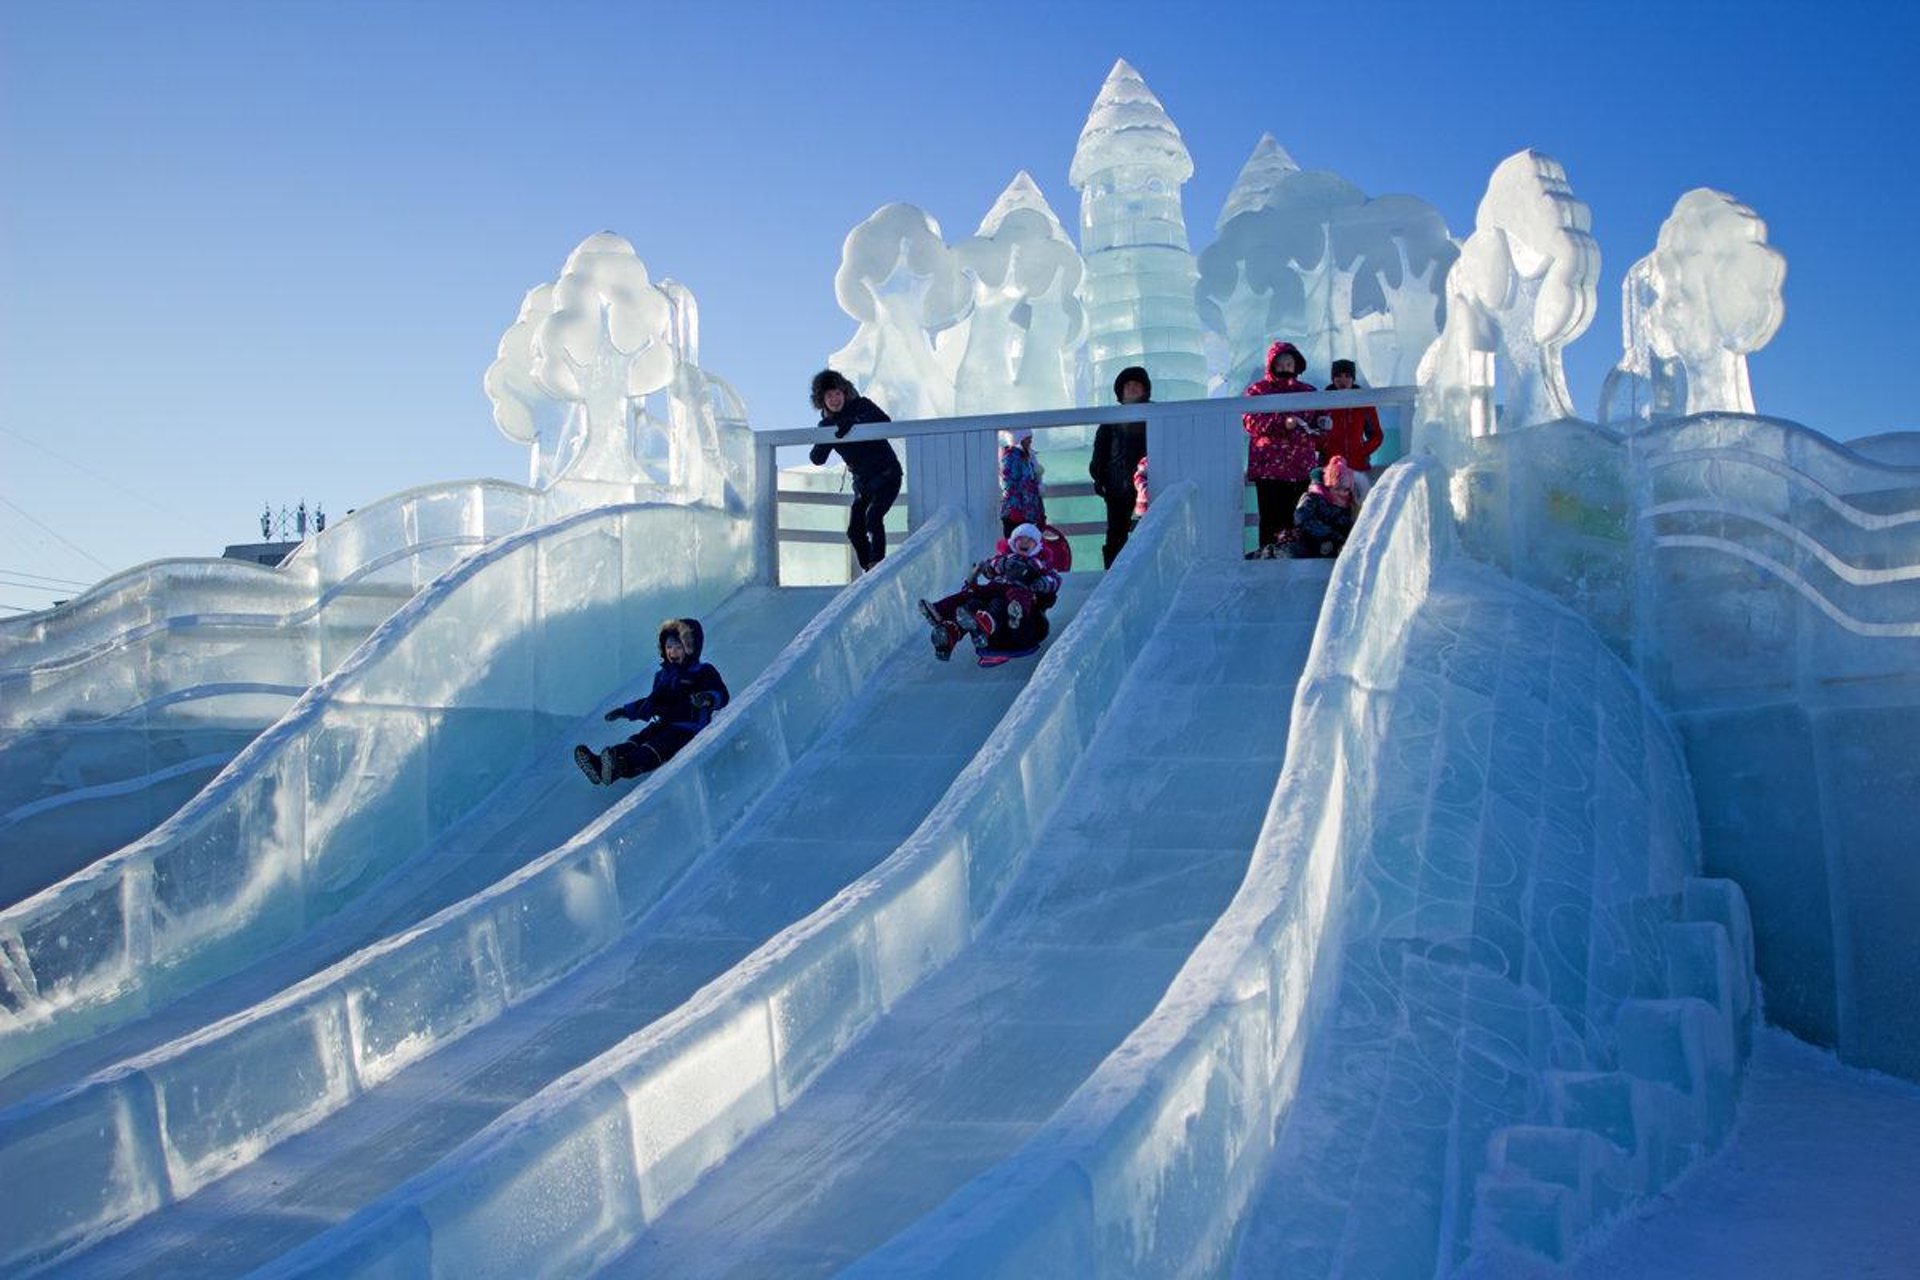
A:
(1619, 1136)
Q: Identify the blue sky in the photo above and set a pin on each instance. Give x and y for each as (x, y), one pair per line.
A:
(258, 252)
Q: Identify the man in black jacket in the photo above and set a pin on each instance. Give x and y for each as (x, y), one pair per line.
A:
(874, 465)
(1117, 450)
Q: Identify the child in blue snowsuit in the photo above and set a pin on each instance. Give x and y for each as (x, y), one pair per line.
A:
(686, 692)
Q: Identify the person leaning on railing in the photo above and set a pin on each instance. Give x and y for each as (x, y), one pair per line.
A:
(874, 465)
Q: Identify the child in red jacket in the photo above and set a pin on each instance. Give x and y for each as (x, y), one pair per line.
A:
(1353, 434)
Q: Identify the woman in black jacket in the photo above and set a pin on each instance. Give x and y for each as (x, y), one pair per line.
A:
(874, 465)
(1117, 450)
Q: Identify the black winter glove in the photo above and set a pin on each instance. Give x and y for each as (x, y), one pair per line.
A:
(705, 700)
(842, 430)
(619, 713)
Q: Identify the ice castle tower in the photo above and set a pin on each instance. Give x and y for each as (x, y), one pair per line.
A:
(1129, 167)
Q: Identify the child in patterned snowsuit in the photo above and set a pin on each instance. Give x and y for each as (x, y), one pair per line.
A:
(1004, 602)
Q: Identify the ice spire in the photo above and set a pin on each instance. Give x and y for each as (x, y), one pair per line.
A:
(1260, 177)
(1129, 167)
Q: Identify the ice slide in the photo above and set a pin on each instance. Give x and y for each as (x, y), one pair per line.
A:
(541, 803)
(116, 707)
(1006, 907)
(440, 1028)
(396, 745)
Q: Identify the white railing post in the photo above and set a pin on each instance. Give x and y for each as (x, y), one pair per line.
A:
(766, 533)
(958, 470)
(1208, 450)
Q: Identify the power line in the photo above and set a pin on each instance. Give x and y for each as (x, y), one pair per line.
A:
(27, 573)
(51, 532)
(36, 586)
(84, 469)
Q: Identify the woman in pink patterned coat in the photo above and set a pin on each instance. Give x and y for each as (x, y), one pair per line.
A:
(1280, 451)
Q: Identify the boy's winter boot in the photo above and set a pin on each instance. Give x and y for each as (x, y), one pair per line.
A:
(589, 761)
(945, 636)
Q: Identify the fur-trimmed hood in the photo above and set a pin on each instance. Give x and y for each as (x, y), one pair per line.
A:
(688, 632)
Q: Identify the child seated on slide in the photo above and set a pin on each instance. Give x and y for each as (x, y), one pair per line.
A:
(1003, 604)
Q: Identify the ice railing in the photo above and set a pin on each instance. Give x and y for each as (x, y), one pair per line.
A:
(1352, 909)
(188, 629)
(92, 1159)
(1842, 532)
(953, 462)
(569, 1178)
(392, 747)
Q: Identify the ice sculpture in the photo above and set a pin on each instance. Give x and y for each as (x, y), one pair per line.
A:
(521, 408)
(903, 284)
(1260, 177)
(1715, 285)
(1023, 340)
(1129, 167)
(604, 339)
(1308, 257)
(1632, 392)
(1522, 289)
(600, 375)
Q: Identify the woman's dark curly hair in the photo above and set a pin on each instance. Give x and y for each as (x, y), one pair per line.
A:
(830, 380)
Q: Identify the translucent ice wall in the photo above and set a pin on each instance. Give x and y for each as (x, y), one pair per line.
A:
(117, 706)
(1779, 616)
(154, 1130)
(1470, 976)
(390, 748)
(1762, 579)
(1129, 167)
(568, 1180)
(904, 285)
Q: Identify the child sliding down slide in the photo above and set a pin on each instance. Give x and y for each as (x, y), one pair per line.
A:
(1003, 605)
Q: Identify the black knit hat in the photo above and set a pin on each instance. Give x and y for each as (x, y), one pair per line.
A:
(1132, 373)
(1347, 367)
(830, 380)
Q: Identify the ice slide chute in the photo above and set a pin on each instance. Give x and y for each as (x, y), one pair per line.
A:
(633, 1130)
(477, 991)
(116, 707)
(395, 745)
(1473, 990)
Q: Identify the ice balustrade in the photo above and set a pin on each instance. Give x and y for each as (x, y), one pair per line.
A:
(953, 462)
(122, 703)
(92, 1159)
(390, 748)
(1779, 617)
(1766, 583)
(571, 1177)
(1437, 934)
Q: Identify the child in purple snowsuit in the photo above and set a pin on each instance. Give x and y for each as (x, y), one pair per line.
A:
(1020, 474)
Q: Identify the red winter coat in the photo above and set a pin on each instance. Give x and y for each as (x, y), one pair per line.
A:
(1280, 447)
(1356, 434)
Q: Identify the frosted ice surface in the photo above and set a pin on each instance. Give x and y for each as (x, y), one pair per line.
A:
(1024, 336)
(903, 284)
(1129, 167)
(1522, 289)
